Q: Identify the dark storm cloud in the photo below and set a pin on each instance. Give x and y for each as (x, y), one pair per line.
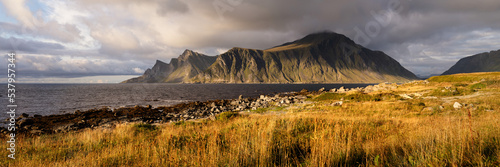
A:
(171, 6)
(28, 46)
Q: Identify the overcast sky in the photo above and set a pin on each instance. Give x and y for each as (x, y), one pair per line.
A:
(63, 41)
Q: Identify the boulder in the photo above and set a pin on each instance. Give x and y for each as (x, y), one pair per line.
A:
(405, 96)
(457, 105)
(341, 90)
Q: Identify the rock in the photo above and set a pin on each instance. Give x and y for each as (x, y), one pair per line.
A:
(321, 90)
(338, 103)
(25, 122)
(457, 105)
(235, 102)
(368, 89)
(341, 90)
(212, 117)
(333, 90)
(303, 91)
(301, 97)
(262, 97)
(428, 109)
(24, 115)
(405, 96)
(240, 97)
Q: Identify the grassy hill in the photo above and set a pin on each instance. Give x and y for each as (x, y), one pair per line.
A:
(483, 62)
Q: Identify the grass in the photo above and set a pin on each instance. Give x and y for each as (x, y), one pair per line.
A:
(376, 129)
(466, 77)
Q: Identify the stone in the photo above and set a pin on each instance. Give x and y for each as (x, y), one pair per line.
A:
(321, 90)
(333, 90)
(240, 97)
(337, 103)
(428, 109)
(341, 90)
(25, 122)
(368, 89)
(24, 115)
(457, 105)
(303, 91)
(405, 96)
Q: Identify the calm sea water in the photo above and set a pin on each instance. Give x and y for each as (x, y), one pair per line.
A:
(46, 99)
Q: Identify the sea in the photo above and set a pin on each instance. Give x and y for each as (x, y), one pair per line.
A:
(48, 99)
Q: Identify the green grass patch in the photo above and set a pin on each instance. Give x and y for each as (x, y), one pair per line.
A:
(478, 86)
(227, 116)
(469, 77)
(260, 110)
(145, 127)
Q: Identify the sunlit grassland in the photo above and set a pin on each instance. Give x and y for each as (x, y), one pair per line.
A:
(367, 130)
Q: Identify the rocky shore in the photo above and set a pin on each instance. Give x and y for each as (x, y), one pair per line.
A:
(108, 118)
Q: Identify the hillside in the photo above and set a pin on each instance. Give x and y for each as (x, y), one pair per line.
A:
(483, 62)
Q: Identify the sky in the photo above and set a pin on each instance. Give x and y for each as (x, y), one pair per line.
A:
(79, 41)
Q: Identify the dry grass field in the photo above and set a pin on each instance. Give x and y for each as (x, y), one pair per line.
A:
(377, 129)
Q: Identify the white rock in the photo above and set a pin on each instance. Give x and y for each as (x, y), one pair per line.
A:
(405, 96)
(457, 105)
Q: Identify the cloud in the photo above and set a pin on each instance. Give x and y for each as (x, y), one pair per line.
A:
(27, 46)
(20, 11)
(29, 65)
(425, 36)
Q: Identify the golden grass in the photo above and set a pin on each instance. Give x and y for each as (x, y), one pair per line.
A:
(390, 132)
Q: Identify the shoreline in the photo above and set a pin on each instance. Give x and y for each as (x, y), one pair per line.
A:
(109, 117)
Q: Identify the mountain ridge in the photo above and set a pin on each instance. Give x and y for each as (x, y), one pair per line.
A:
(324, 57)
(180, 69)
(482, 62)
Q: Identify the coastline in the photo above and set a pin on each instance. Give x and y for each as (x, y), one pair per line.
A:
(109, 117)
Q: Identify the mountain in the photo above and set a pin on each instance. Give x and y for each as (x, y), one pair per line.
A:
(483, 62)
(179, 70)
(324, 57)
